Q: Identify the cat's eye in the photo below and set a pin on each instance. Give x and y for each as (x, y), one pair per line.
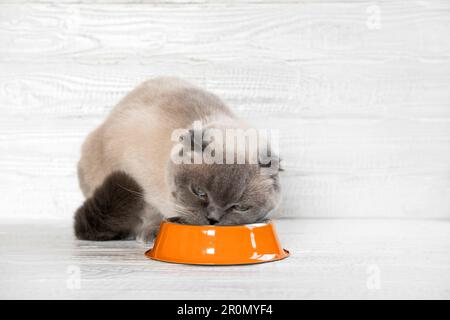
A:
(199, 192)
(241, 207)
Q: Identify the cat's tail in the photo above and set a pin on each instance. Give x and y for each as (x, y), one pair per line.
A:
(112, 212)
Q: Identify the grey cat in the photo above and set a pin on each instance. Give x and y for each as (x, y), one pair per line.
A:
(131, 183)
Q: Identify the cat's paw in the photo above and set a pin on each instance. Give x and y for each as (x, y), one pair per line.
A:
(147, 235)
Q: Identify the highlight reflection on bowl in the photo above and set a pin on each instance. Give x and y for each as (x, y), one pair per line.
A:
(217, 245)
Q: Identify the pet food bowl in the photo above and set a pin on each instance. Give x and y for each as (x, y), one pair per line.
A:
(217, 245)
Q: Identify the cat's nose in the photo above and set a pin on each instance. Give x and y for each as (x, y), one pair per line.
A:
(212, 221)
(214, 215)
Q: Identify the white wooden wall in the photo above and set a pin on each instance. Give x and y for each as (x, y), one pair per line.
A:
(359, 89)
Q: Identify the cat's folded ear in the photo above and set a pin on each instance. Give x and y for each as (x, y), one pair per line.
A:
(270, 165)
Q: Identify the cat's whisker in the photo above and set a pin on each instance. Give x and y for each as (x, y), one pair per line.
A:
(141, 195)
(182, 211)
(187, 210)
(184, 207)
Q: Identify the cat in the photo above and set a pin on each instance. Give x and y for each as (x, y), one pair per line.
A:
(130, 181)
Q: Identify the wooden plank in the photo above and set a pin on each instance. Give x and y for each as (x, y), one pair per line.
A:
(193, 2)
(317, 68)
(304, 196)
(330, 91)
(343, 170)
(361, 196)
(307, 147)
(291, 33)
(177, 2)
(334, 259)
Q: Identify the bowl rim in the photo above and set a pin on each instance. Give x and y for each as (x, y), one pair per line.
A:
(251, 225)
(286, 253)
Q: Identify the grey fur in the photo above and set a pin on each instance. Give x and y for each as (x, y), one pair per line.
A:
(226, 185)
(113, 211)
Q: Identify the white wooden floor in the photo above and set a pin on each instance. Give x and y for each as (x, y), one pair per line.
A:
(330, 259)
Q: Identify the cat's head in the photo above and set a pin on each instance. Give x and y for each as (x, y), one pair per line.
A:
(224, 194)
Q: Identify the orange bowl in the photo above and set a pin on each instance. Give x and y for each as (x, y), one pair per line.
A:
(217, 245)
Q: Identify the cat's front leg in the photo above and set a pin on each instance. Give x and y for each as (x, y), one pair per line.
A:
(149, 228)
(147, 233)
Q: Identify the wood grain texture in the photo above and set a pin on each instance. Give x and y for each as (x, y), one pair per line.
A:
(330, 259)
(363, 111)
(385, 171)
